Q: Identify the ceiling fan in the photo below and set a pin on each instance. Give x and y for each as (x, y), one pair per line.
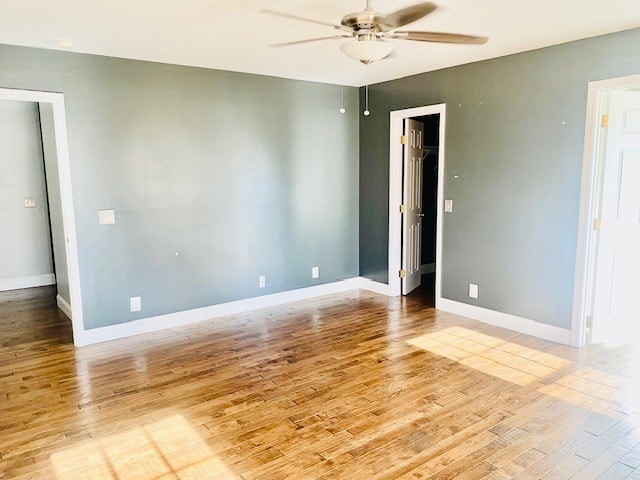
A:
(368, 29)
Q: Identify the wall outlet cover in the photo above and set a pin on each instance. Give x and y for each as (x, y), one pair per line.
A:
(473, 290)
(30, 202)
(315, 272)
(262, 281)
(135, 304)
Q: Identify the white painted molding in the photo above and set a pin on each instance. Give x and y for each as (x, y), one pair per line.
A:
(64, 306)
(505, 320)
(27, 282)
(427, 268)
(375, 287)
(178, 319)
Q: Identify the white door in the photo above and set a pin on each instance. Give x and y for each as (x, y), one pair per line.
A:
(616, 318)
(412, 201)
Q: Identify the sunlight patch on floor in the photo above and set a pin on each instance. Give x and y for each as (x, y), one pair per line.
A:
(587, 387)
(493, 356)
(593, 389)
(168, 448)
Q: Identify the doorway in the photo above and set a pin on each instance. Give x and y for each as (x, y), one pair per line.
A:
(57, 196)
(420, 196)
(33, 263)
(608, 260)
(415, 198)
(27, 254)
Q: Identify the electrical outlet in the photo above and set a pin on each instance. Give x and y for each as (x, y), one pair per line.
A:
(315, 272)
(473, 290)
(262, 281)
(135, 304)
(30, 202)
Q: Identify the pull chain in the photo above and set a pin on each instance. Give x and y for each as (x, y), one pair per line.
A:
(342, 109)
(366, 91)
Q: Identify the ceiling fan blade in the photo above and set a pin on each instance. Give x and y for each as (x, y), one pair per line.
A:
(302, 19)
(298, 42)
(437, 37)
(391, 56)
(406, 16)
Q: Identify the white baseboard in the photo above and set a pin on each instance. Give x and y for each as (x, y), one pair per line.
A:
(178, 319)
(427, 268)
(172, 320)
(27, 282)
(373, 286)
(505, 320)
(64, 306)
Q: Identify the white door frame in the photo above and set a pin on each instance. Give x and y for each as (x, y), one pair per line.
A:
(395, 193)
(587, 237)
(66, 197)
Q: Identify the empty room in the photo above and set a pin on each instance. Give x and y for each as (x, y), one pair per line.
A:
(356, 239)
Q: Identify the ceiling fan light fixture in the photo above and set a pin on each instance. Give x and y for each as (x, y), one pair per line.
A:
(366, 51)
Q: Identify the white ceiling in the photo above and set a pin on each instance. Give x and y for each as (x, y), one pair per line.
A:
(235, 35)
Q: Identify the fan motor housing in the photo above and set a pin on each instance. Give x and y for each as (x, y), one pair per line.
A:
(362, 20)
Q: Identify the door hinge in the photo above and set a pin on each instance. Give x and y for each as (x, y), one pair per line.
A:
(404, 139)
(403, 209)
(605, 121)
(596, 224)
(402, 273)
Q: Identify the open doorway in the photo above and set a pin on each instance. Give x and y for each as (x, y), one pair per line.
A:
(37, 208)
(415, 198)
(608, 254)
(33, 268)
(420, 197)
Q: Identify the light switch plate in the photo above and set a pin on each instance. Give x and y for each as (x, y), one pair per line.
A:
(106, 217)
(135, 304)
(473, 290)
(315, 272)
(30, 202)
(448, 205)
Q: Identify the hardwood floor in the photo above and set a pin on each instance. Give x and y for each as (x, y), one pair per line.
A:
(349, 386)
(426, 292)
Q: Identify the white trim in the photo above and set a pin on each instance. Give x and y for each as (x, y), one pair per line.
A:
(395, 192)
(505, 320)
(373, 286)
(63, 305)
(66, 196)
(27, 282)
(427, 268)
(178, 319)
(585, 251)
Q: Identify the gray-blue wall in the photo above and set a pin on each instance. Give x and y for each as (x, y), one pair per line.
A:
(240, 175)
(25, 241)
(514, 136)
